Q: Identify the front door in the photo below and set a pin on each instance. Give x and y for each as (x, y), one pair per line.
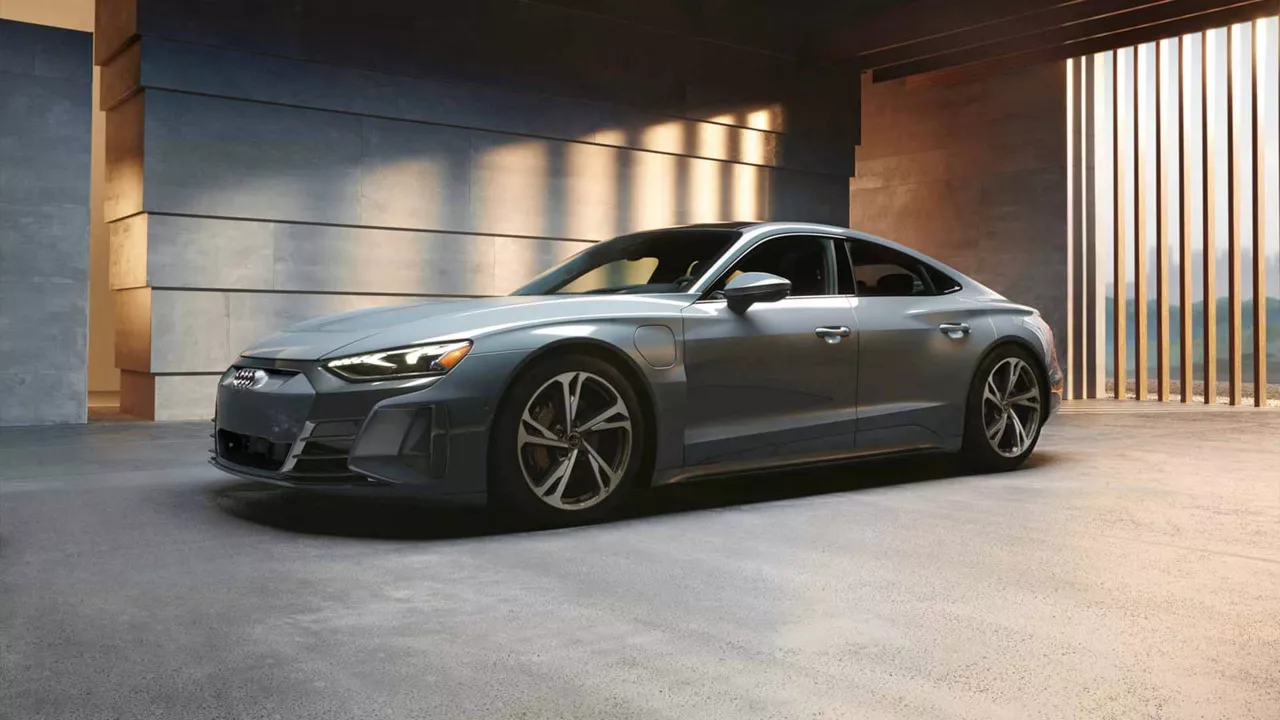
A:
(778, 381)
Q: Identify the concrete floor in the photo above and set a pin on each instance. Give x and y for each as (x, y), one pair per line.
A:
(1132, 570)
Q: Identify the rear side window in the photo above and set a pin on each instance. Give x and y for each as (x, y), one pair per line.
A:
(942, 284)
(878, 271)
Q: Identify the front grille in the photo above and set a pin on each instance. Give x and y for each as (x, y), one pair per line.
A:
(252, 452)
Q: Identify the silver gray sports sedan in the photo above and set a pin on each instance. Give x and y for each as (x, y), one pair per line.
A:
(652, 358)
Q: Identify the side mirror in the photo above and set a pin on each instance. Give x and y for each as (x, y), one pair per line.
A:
(753, 287)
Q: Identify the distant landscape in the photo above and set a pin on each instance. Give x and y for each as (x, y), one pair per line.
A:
(1197, 337)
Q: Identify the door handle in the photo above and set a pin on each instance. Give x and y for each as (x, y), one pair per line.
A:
(954, 330)
(832, 334)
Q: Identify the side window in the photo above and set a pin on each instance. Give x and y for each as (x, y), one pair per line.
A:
(802, 259)
(942, 284)
(879, 271)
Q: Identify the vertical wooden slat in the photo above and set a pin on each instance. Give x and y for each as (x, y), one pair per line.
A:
(1120, 281)
(1184, 246)
(1087, 226)
(1090, 256)
(1162, 244)
(1234, 321)
(1139, 243)
(1258, 165)
(1098, 282)
(1208, 214)
(1073, 230)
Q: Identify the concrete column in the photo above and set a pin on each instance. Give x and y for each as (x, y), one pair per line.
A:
(45, 79)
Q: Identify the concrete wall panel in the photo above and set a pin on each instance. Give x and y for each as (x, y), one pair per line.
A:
(30, 250)
(414, 175)
(44, 139)
(124, 158)
(190, 331)
(356, 260)
(752, 130)
(45, 84)
(128, 252)
(133, 330)
(206, 156)
(198, 252)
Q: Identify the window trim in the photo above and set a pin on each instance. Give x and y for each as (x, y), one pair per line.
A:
(828, 242)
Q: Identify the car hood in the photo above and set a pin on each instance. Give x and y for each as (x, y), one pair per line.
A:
(402, 325)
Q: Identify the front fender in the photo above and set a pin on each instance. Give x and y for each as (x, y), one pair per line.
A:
(630, 343)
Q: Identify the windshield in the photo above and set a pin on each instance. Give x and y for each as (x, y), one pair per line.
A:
(661, 261)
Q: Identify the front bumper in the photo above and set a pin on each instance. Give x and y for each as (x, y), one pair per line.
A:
(304, 428)
(1056, 382)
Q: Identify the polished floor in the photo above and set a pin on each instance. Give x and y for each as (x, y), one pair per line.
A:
(1133, 570)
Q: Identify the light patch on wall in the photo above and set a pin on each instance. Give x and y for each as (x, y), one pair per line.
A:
(419, 173)
(704, 190)
(510, 192)
(610, 136)
(751, 148)
(746, 192)
(761, 119)
(653, 190)
(713, 141)
(510, 197)
(666, 137)
(591, 192)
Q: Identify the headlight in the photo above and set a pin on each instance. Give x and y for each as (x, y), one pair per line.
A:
(418, 361)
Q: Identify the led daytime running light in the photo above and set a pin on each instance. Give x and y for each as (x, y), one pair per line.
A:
(436, 359)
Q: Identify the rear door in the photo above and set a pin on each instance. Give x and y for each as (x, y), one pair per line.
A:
(919, 345)
(777, 382)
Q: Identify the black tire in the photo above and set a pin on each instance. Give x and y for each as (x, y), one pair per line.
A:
(978, 451)
(512, 493)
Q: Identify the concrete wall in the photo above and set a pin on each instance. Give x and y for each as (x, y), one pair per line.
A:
(45, 76)
(272, 162)
(973, 172)
(104, 378)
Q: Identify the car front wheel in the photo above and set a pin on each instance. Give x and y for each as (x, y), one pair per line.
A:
(568, 442)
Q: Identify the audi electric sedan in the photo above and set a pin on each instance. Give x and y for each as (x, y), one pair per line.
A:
(652, 358)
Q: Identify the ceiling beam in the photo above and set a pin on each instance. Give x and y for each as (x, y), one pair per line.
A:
(1142, 17)
(1017, 26)
(923, 19)
(1244, 12)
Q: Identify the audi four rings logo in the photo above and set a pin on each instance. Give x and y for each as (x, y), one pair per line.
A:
(249, 378)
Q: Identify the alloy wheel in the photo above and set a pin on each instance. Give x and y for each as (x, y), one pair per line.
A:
(1011, 407)
(574, 441)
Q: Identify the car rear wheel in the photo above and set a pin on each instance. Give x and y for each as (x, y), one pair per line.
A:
(568, 442)
(1005, 411)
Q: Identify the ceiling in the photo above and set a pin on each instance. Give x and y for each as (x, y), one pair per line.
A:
(902, 39)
